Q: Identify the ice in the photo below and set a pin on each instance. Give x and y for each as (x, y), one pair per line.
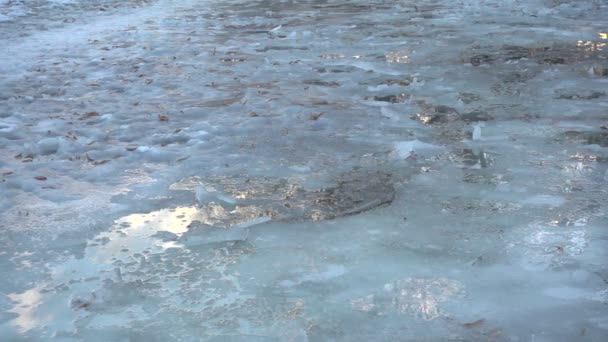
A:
(48, 146)
(549, 200)
(332, 271)
(303, 170)
(405, 149)
(570, 293)
(204, 196)
(209, 235)
(476, 132)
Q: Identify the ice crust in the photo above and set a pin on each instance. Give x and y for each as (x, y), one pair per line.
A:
(303, 170)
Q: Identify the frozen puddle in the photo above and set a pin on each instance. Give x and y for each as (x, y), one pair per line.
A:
(169, 256)
(306, 170)
(119, 259)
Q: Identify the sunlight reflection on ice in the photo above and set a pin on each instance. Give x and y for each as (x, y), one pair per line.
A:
(112, 255)
(25, 307)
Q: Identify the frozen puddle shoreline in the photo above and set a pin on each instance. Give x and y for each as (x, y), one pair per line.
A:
(304, 170)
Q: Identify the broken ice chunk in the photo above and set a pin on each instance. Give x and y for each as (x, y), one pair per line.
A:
(165, 235)
(477, 132)
(549, 200)
(6, 127)
(202, 234)
(48, 146)
(406, 148)
(203, 196)
(255, 221)
(226, 199)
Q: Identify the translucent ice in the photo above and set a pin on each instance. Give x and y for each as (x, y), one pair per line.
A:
(476, 132)
(405, 149)
(48, 146)
(305, 170)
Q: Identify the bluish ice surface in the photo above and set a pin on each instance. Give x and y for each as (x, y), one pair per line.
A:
(329, 170)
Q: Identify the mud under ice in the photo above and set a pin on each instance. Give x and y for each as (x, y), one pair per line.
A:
(304, 170)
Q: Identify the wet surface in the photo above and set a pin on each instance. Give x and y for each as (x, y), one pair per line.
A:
(303, 170)
(287, 200)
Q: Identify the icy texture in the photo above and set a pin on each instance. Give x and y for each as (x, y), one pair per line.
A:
(304, 170)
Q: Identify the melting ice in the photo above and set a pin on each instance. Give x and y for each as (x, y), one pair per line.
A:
(304, 170)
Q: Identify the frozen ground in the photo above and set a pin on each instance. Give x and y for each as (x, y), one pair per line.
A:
(304, 170)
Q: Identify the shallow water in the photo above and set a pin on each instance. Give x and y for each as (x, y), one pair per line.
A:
(304, 170)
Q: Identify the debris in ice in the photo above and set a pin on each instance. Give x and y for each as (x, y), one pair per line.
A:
(474, 324)
(398, 56)
(201, 234)
(204, 197)
(420, 297)
(423, 296)
(473, 158)
(364, 304)
(287, 128)
(355, 192)
(435, 114)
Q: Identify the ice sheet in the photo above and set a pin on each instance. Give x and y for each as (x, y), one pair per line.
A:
(303, 170)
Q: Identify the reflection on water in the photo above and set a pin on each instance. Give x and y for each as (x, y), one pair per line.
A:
(420, 297)
(363, 82)
(135, 260)
(399, 56)
(354, 192)
(590, 46)
(27, 302)
(133, 234)
(423, 296)
(119, 256)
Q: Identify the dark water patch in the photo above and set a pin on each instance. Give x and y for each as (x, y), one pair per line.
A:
(476, 116)
(336, 69)
(353, 193)
(558, 53)
(403, 82)
(578, 94)
(472, 158)
(468, 98)
(321, 83)
(281, 48)
(587, 138)
(435, 114)
(600, 70)
(393, 98)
